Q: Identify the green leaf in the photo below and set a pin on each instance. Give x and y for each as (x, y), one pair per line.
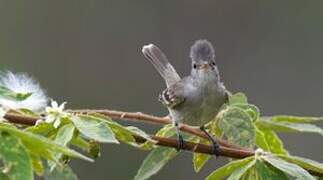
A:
(289, 168)
(268, 172)
(94, 149)
(304, 163)
(8, 93)
(166, 131)
(199, 159)
(289, 127)
(238, 173)
(237, 126)
(60, 173)
(80, 143)
(250, 174)
(156, 159)
(270, 141)
(139, 132)
(37, 164)
(40, 145)
(229, 168)
(261, 140)
(122, 133)
(93, 128)
(295, 119)
(15, 158)
(64, 134)
(45, 129)
(3, 176)
(63, 137)
(238, 98)
(251, 109)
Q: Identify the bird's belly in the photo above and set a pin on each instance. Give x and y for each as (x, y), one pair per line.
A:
(199, 113)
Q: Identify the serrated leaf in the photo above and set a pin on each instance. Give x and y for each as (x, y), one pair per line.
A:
(237, 126)
(238, 173)
(295, 119)
(251, 109)
(238, 98)
(229, 168)
(94, 129)
(267, 172)
(289, 168)
(156, 159)
(40, 145)
(9, 94)
(289, 127)
(272, 140)
(303, 162)
(15, 157)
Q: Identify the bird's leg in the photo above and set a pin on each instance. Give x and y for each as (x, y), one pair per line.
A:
(215, 144)
(180, 140)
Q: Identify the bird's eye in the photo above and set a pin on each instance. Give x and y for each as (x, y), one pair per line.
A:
(194, 66)
(213, 63)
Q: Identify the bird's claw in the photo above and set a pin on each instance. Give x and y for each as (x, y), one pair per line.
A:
(215, 144)
(180, 142)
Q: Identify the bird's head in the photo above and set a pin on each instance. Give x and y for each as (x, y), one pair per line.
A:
(203, 60)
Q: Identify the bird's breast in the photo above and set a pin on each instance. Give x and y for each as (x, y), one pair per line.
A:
(201, 105)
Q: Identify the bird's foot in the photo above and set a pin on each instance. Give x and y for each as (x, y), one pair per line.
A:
(215, 144)
(180, 142)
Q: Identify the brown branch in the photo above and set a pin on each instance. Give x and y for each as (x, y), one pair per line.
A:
(226, 150)
(141, 117)
(198, 147)
(169, 142)
(20, 119)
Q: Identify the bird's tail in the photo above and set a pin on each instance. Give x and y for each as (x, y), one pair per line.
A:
(159, 60)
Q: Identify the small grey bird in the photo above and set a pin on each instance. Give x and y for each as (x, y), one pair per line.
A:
(197, 98)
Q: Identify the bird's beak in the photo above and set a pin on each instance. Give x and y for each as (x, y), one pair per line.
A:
(204, 66)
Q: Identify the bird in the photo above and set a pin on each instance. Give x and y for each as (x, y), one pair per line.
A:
(195, 99)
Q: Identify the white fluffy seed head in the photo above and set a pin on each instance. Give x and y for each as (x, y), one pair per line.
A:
(22, 83)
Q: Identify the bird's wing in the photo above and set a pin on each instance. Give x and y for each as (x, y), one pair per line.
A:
(159, 60)
(173, 95)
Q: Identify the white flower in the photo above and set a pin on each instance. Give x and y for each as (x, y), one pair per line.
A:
(22, 83)
(55, 113)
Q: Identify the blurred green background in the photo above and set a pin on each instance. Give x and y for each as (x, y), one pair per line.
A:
(89, 54)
